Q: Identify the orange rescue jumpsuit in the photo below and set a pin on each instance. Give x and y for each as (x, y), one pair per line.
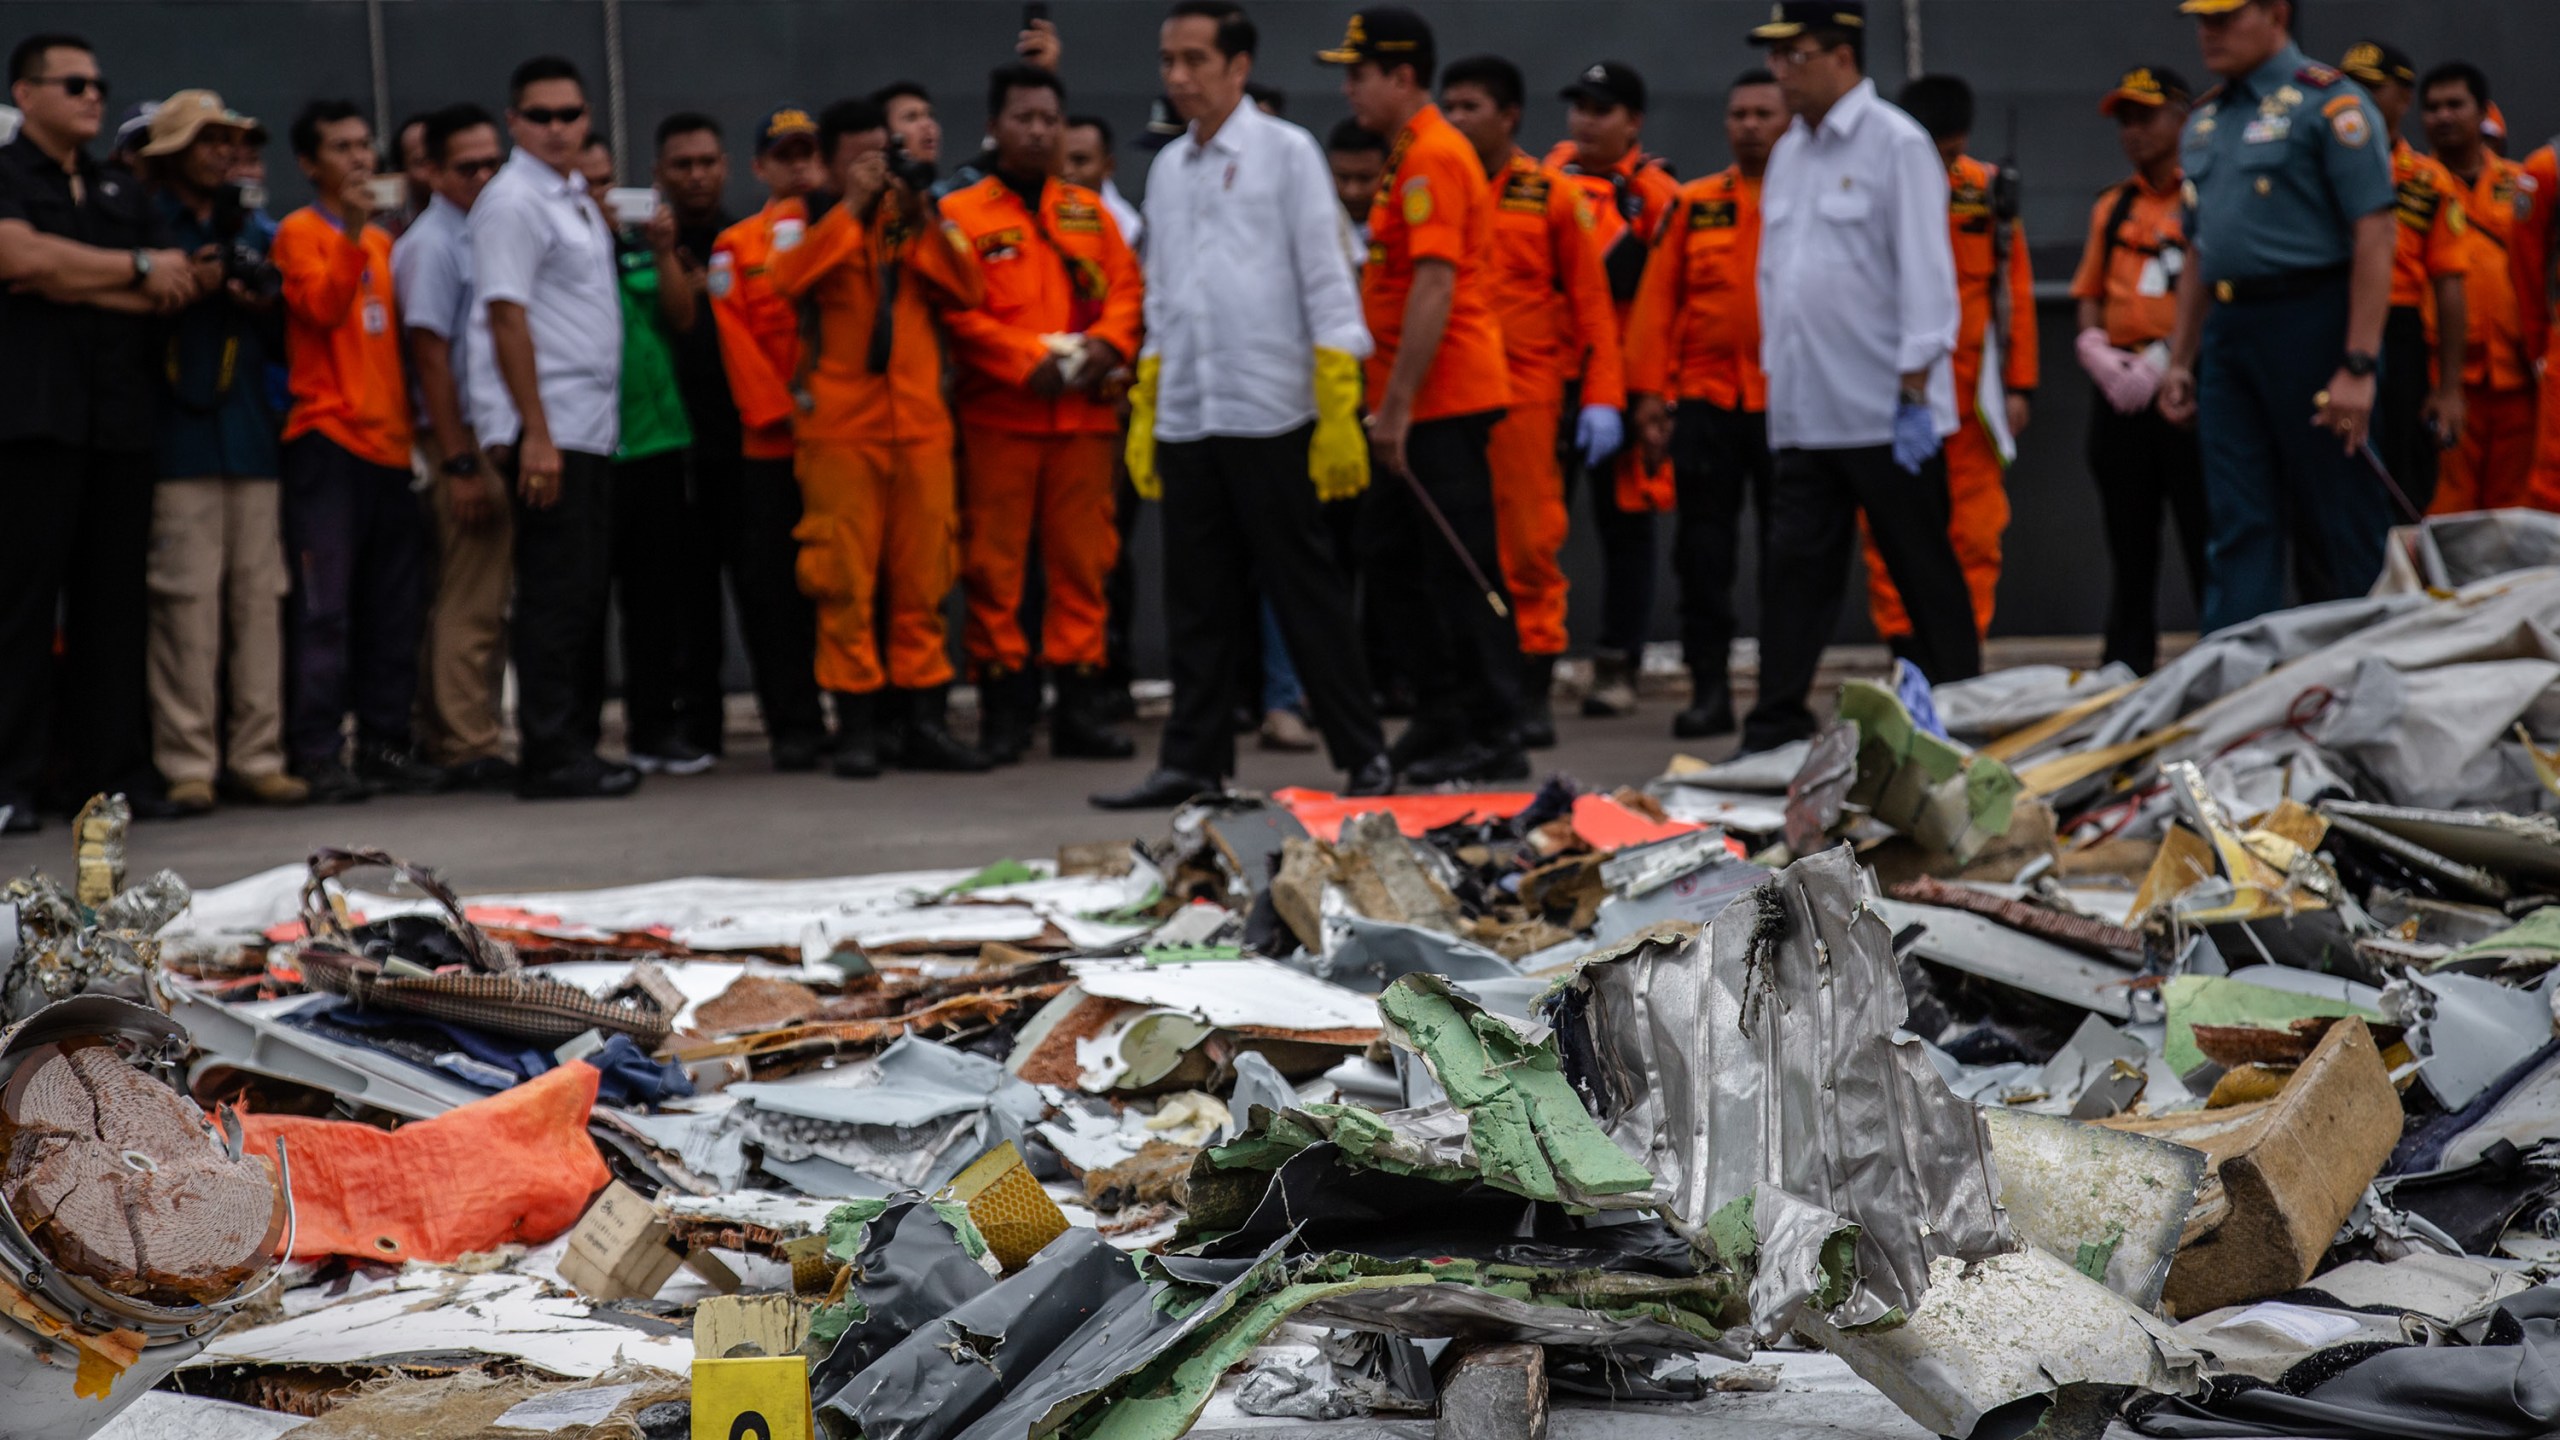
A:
(1552, 297)
(2530, 253)
(874, 453)
(1694, 331)
(759, 329)
(1066, 270)
(1977, 497)
(1642, 184)
(2492, 465)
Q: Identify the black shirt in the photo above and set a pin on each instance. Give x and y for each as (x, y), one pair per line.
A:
(76, 374)
(700, 374)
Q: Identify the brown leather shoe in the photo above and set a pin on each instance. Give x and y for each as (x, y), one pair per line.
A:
(191, 797)
(272, 789)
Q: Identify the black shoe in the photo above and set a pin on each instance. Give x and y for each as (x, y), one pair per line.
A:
(798, 754)
(929, 743)
(672, 757)
(1421, 740)
(857, 752)
(589, 777)
(489, 772)
(397, 769)
(1375, 777)
(1537, 712)
(18, 816)
(1710, 712)
(1473, 760)
(1008, 706)
(1161, 790)
(153, 804)
(1077, 730)
(332, 783)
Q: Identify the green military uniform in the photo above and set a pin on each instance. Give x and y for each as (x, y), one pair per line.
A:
(2281, 164)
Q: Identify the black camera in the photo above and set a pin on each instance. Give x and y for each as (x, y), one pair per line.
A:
(918, 174)
(248, 264)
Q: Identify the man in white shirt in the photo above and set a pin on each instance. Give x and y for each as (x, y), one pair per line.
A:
(1246, 412)
(447, 334)
(547, 410)
(1858, 320)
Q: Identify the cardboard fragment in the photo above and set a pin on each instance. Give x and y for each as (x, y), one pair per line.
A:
(621, 1249)
(742, 1326)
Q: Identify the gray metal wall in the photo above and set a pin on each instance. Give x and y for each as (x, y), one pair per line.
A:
(2046, 59)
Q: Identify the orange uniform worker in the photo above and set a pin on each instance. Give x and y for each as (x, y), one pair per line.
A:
(2418, 408)
(1436, 387)
(874, 441)
(1700, 399)
(2491, 464)
(1986, 261)
(2531, 251)
(1630, 192)
(1061, 317)
(1552, 299)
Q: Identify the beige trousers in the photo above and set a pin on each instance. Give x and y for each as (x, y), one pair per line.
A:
(218, 581)
(462, 668)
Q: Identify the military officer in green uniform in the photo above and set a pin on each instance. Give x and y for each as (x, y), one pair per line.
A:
(2280, 313)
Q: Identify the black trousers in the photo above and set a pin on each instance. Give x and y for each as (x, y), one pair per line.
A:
(80, 523)
(1462, 657)
(666, 572)
(1720, 459)
(355, 538)
(2399, 427)
(564, 578)
(1241, 522)
(754, 505)
(2143, 465)
(1626, 539)
(1813, 523)
(1120, 589)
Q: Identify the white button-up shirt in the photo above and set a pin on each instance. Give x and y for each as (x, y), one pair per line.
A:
(1133, 226)
(431, 275)
(1857, 276)
(1246, 279)
(537, 240)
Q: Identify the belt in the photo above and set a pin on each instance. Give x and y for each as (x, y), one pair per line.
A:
(2288, 285)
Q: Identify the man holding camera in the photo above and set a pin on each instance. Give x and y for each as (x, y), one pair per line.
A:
(217, 557)
(876, 262)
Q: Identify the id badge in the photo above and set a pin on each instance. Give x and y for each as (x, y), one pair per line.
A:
(2155, 279)
(377, 316)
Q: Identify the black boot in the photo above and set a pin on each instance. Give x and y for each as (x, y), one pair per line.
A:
(1710, 709)
(1537, 715)
(1008, 706)
(929, 743)
(1077, 730)
(888, 709)
(1426, 737)
(857, 753)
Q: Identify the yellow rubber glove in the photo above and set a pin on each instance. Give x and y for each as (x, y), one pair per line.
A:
(1141, 451)
(1338, 457)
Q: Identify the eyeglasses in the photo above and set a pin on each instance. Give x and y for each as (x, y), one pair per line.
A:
(565, 115)
(469, 168)
(1797, 54)
(76, 86)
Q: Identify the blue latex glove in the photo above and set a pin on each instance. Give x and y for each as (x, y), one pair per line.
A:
(1598, 434)
(1915, 436)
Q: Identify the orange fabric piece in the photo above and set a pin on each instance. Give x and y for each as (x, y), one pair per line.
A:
(2156, 222)
(1604, 824)
(2493, 352)
(1529, 520)
(1067, 271)
(759, 330)
(1970, 226)
(2432, 224)
(870, 511)
(838, 265)
(342, 338)
(1323, 812)
(1012, 483)
(1549, 293)
(514, 1169)
(1694, 330)
(2492, 469)
(1432, 206)
(1977, 516)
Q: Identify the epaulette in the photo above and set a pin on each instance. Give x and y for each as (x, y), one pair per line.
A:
(2318, 74)
(2210, 95)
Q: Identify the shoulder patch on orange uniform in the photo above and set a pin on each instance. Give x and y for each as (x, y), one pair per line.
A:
(1417, 200)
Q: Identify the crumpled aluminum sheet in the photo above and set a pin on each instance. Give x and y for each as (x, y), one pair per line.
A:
(1762, 1054)
(2107, 1202)
(1426, 1312)
(2009, 1328)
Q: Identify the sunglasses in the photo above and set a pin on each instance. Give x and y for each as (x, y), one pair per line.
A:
(469, 168)
(76, 86)
(565, 115)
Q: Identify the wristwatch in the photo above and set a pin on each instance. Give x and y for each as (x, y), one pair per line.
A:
(466, 463)
(2360, 363)
(141, 268)
(1915, 397)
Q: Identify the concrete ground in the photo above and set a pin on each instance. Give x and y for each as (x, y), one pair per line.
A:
(742, 819)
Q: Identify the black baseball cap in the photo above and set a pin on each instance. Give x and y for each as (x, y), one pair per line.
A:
(1791, 18)
(787, 122)
(1606, 86)
(2147, 87)
(2371, 62)
(1385, 35)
